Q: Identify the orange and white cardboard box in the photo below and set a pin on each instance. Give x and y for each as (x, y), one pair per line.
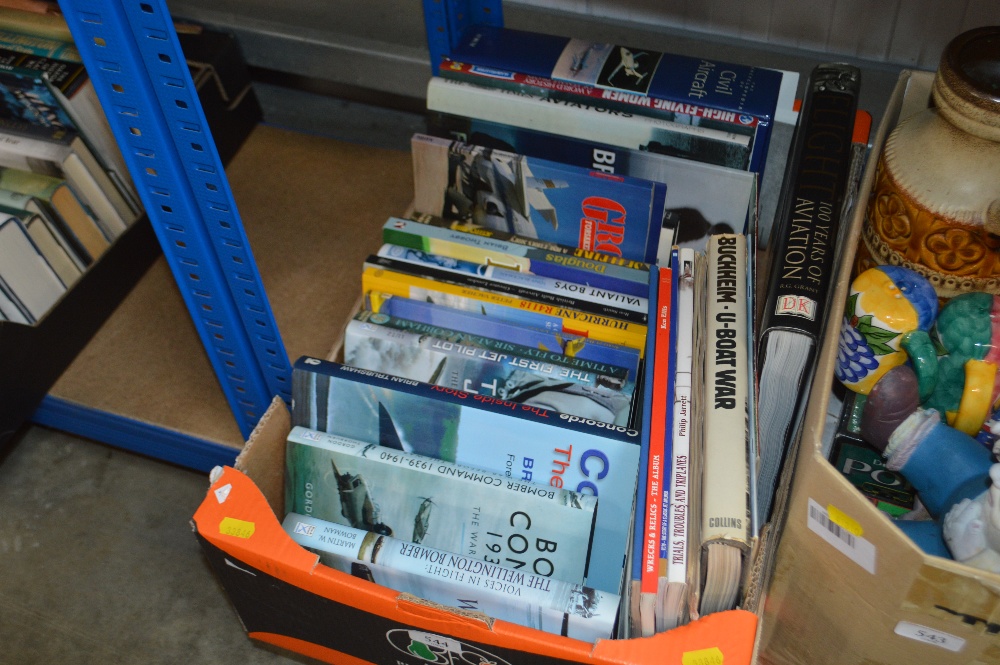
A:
(848, 587)
(286, 598)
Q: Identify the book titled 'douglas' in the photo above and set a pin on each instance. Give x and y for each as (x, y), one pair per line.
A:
(521, 441)
(459, 581)
(536, 528)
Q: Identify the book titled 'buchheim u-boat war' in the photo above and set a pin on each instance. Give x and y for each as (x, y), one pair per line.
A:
(520, 441)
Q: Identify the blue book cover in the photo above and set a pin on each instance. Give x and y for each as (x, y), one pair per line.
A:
(600, 354)
(420, 357)
(522, 442)
(702, 198)
(459, 240)
(538, 198)
(711, 83)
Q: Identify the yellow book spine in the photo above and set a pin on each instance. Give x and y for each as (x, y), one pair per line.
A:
(594, 326)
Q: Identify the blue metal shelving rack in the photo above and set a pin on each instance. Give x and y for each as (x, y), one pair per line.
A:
(133, 56)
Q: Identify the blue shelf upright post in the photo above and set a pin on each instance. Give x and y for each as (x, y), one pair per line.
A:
(445, 20)
(137, 67)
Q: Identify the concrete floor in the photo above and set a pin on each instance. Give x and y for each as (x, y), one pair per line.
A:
(100, 564)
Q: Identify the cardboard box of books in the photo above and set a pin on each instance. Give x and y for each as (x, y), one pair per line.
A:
(848, 587)
(286, 597)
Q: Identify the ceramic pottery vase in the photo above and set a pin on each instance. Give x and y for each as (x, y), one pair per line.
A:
(935, 203)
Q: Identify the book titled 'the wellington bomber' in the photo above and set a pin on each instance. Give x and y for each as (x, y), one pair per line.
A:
(521, 441)
(541, 529)
(456, 580)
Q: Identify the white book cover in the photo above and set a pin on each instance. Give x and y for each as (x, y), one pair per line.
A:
(672, 591)
(459, 581)
(27, 274)
(725, 518)
(488, 516)
(573, 120)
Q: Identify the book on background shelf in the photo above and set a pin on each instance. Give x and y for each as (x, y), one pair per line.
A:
(427, 501)
(587, 122)
(459, 581)
(703, 198)
(72, 92)
(659, 451)
(508, 308)
(63, 234)
(537, 198)
(31, 283)
(49, 244)
(42, 24)
(725, 492)
(675, 532)
(524, 443)
(36, 45)
(634, 588)
(802, 253)
(481, 371)
(587, 353)
(628, 72)
(503, 280)
(619, 101)
(87, 234)
(477, 244)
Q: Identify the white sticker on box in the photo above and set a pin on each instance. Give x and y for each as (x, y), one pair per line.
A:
(915, 631)
(222, 493)
(854, 547)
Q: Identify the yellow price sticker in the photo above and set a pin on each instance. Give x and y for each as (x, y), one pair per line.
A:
(711, 656)
(230, 526)
(844, 521)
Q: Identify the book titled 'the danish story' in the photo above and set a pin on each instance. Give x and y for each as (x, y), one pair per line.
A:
(540, 529)
(459, 581)
(514, 437)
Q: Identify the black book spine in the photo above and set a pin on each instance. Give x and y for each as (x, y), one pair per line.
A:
(808, 219)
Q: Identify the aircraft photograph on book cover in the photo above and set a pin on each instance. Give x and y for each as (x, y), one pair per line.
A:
(607, 66)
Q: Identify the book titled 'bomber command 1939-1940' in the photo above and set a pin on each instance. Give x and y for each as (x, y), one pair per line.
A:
(521, 441)
(536, 528)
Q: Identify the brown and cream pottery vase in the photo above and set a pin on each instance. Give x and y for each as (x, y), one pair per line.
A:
(935, 203)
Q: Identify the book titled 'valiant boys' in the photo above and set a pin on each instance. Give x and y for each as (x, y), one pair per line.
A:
(519, 440)
(538, 198)
(535, 528)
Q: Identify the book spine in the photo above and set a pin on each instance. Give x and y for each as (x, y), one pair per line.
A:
(456, 580)
(585, 122)
(38, 45)
(658, 450)
(523, 285)
(457, 508)
(725, 491)
(640, 104)
(472, 369)
(537, 198)
(438, 236)
(511, 309)
(606, 372)
(807, 221)
(677, 531)
(639, 513)
(594, 355)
